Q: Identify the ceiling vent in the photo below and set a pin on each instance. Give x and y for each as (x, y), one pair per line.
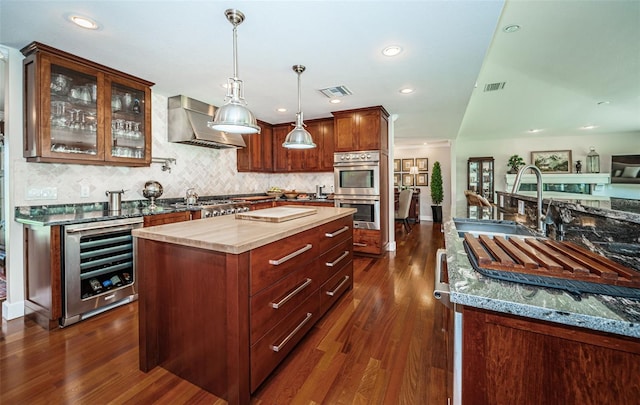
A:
(494, 86)
(337, 91)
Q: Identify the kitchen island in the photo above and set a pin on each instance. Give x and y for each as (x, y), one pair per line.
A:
(224, 300)
(524, 344)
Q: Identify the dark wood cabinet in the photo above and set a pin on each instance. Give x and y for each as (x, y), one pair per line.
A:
(283, 160)
(513, 360)
(257, 156)
(77, 111)
(361, 129)
(480, 177)
(168, 218)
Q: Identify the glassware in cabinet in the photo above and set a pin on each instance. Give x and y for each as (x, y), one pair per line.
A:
(128, 118)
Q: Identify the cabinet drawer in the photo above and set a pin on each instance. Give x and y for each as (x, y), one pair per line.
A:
(273, 304)
(283, 338)
(334, 260)
(337, 285)
(335, 232)
(366, 241)
(272, 262)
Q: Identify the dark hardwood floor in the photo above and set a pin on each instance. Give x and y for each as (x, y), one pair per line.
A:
(383, 343)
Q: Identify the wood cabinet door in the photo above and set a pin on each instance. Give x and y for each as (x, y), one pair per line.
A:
(368, 130)
(344, 127)
(127, 122)
(327, 149)
(169, 218)
(266, 138)
(280, 154)
(243, 155)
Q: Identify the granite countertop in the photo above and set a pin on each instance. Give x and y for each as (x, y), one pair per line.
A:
(597, 312)
(81, 213)
(230, 235)
(67, 214)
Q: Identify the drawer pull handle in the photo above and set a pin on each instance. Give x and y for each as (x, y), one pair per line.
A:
(342, 256)
(336, 233)
(332, 293)
(290, 335)
(291, 255)
(304, 285)
(359, 244)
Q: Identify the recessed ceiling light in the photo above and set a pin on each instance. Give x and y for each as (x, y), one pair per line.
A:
(281, 109)
(511, 28)
(406, 90)
(335, 101)
(588, 127)
(534, 130)
(84, 22)
(604, 102)
(392, 50)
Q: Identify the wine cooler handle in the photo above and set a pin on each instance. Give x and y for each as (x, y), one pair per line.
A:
(291, 255)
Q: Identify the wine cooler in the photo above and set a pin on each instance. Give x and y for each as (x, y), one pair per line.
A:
(99, 272)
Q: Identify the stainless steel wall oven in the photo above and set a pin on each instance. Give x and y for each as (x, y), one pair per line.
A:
(367, 214)
(357, 173)
(98, 272)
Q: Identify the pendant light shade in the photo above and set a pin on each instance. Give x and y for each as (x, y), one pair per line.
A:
(234, 117)
(299, 138)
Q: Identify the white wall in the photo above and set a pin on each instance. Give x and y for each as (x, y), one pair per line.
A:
(442, 154)
(501, 149)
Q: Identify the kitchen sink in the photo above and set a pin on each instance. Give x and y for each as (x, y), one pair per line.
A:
(492, 227)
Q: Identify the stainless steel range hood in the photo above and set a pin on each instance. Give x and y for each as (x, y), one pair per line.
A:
(187, 123)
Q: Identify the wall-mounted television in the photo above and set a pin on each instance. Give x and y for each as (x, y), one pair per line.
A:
(625, 169)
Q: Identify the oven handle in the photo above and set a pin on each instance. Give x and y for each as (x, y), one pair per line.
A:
(93, 228)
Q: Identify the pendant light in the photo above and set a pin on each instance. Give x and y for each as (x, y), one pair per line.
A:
(299, 138)
(234, 117)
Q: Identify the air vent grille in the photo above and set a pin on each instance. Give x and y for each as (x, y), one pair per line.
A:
(494, 86)
(337, 91)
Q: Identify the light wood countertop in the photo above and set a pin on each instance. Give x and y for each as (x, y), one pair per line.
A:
(230, 235)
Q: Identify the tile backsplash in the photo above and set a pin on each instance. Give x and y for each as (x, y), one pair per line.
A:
(208, 171)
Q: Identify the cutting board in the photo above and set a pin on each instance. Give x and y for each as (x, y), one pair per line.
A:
(277, 214)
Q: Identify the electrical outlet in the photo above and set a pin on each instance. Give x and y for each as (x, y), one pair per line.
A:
(50, 193)
(34, 194)
(84, 191)
(520, 207)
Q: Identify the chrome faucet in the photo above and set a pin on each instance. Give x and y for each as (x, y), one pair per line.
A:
(516, 186)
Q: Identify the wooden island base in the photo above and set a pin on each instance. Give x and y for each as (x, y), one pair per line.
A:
(224, 321)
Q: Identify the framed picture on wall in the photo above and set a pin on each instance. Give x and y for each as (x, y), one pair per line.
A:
(423, 164)
(407, 164)
(407, 179)
(422, 179)
(396, 179)
(554, 161)
(396, 165)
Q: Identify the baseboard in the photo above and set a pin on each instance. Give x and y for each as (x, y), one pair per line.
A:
(12, 310)
(391, 246)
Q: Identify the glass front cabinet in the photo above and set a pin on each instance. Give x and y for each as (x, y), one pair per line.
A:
(480, 177)
(77, 111)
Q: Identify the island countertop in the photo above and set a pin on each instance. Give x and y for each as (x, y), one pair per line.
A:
(592, 311)
(230, 235)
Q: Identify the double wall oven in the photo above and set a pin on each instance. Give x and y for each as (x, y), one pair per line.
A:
(357, 185)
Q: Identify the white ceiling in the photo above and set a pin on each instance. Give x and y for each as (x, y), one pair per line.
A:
(567, 56)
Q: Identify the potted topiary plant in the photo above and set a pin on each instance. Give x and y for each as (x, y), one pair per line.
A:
(437, 193)
(514, 163)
